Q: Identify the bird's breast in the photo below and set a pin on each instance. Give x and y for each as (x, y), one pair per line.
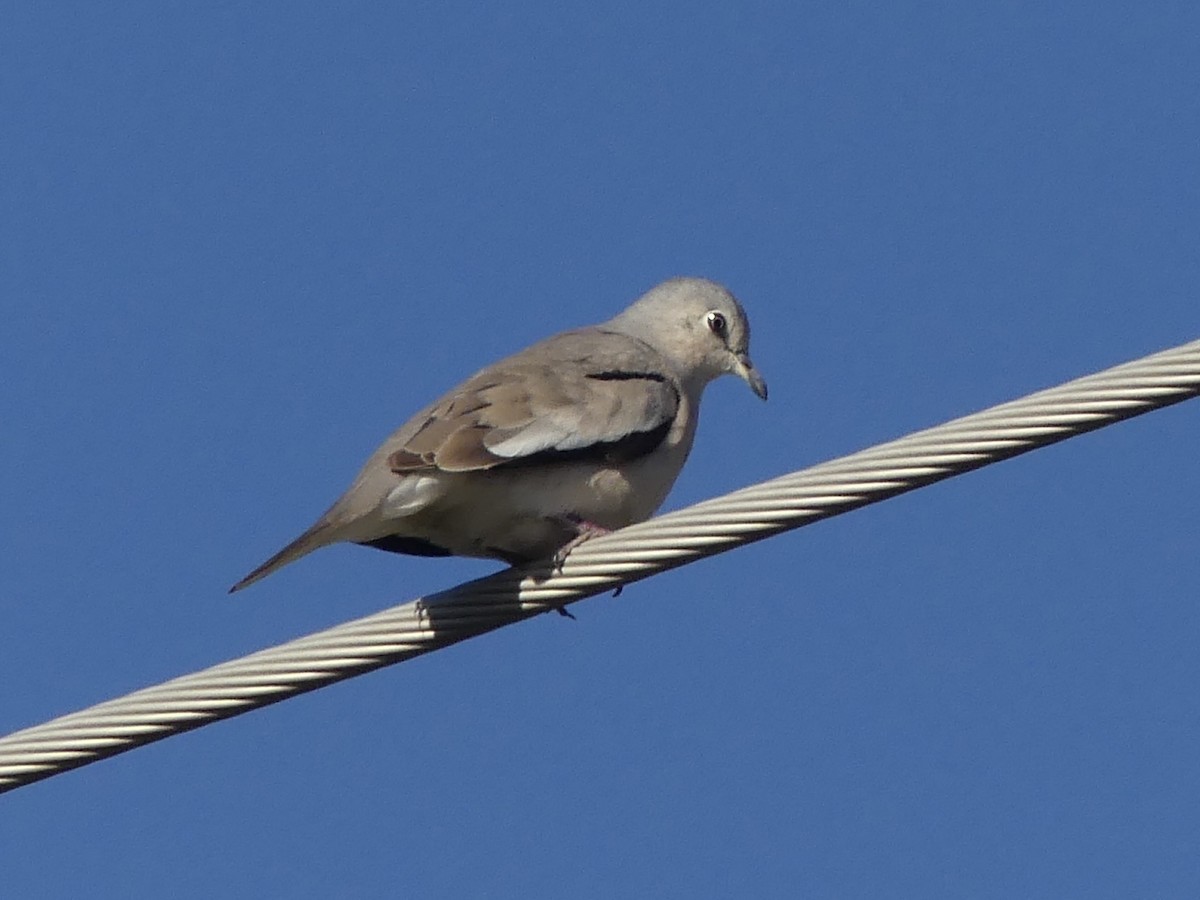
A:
(519, 511)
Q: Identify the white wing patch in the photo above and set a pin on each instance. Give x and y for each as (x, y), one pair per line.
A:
(535, 438)
(412, 494)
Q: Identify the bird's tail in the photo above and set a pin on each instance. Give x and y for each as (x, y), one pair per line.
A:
(319, 535)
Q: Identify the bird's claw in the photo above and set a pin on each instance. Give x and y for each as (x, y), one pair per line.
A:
(584, 531)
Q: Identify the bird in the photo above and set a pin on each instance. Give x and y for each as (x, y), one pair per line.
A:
(577, 435)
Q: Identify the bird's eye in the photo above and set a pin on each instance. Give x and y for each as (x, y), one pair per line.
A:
(716, 323)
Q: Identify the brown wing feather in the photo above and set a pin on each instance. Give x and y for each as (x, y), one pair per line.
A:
(581, 394)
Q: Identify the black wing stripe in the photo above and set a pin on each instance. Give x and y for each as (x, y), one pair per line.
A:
(620, 450)
(618, 375)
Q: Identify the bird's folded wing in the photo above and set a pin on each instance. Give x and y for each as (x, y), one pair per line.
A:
(589, 394)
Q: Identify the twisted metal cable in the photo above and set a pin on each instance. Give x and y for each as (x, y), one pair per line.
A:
(602, 563)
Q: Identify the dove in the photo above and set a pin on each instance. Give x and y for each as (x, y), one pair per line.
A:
(577, 435)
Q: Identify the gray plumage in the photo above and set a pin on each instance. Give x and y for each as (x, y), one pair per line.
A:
(580, 433)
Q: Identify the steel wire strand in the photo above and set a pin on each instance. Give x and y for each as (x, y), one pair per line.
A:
(605, 562)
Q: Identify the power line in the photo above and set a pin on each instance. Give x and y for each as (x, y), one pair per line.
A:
(601, 564)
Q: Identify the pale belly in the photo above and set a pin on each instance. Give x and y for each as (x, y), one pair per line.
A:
(528, 513)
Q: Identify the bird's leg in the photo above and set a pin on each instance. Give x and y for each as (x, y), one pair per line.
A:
(584, 531)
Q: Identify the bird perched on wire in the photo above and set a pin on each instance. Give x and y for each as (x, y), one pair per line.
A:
(577, 435)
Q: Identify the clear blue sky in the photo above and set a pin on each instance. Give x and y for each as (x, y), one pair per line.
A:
(241, 243)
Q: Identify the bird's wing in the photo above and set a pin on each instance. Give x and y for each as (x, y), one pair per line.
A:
(588, 394)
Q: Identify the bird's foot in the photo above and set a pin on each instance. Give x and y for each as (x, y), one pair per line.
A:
(584, 531)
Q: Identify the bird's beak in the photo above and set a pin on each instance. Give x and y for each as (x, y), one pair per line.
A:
(744, 369)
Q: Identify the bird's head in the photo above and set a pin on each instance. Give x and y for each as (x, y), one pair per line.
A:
(699, 326)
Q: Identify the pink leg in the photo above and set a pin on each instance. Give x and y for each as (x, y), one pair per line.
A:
(584, 531)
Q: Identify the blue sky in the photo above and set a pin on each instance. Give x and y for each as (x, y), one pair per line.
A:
(240, 244)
